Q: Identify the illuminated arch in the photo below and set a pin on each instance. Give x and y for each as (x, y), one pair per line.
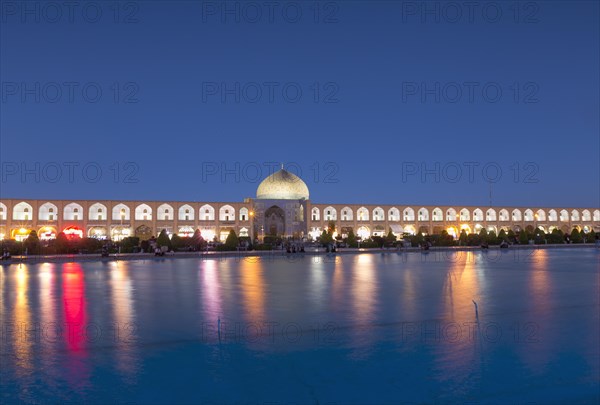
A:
(98, 212)
(437, 215)
(362, 214)
(410, 229)
(465, 215)
(244, 216)
(97, 232)
(516, 215)
(226, 213)
(575, 215)
(528, 215)
(393, 214)
(586, 216)
(597, 215)
(330, 214)
(363, 232)
(552, 216)
(477, 215)
(164, 212)
(73, 212)
(3, 212)
(347, 214)
(423, 214)
(315, 214)
(541, 215)
(207, 213)
(143, 212)
(186, 213)
(504, 216)
(378, 215)
(564, 216)
(119, 233)
(22, 212)
(451, 215)
(47, 232)
(490, 214)
(408, 214)
(186, 231)
(120, 212)
(48, 212)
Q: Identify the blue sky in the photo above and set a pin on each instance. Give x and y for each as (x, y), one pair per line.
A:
(371, 102)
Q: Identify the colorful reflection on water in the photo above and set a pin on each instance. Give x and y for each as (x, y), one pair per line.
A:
(345, 329)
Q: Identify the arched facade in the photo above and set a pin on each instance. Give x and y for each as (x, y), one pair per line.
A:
(226, 213)
(143, 212)
(362, 214)
(164, 212)
(22, 212)
(121, 212)
(315, 214)
(347, 214)
(378, 214)
(330, 214)
(48, 212)
(186, 213)
(207, 213)
(73, 212)
(97, 212)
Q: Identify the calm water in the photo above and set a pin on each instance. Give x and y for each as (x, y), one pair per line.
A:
(365, 328)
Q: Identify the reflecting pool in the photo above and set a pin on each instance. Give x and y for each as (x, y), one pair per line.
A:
(475, 327)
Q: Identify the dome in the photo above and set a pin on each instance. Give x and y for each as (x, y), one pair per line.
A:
(282, 185)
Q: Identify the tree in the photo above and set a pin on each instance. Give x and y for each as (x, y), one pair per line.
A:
(331, 227)
(176, 242)
(445, 239)
(198, 240)
(163, 240)
(390, 238)
(492, 239)
(502, 235)
(61, 243)
(576, 236)
(32, 243)
(351, 240)
(590, 237)
(232, 241)
(463, 237)
(523, 237)
(326, 238)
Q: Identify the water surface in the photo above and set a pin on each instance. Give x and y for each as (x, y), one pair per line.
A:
(358, 328)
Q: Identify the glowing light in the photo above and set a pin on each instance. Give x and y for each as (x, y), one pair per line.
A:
(186, 231)
(73, 232)
(47, 233)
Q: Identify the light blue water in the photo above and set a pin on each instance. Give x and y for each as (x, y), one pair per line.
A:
(365, 328)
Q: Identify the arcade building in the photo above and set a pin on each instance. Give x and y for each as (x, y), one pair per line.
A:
(282, 207)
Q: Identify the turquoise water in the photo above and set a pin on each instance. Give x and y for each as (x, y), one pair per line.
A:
(357, 328)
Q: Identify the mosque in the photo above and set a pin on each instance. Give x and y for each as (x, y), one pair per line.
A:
(282, 207)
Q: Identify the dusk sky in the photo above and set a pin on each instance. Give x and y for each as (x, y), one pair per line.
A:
(379, 102)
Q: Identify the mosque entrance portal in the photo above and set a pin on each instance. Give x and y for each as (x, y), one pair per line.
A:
(275, 221)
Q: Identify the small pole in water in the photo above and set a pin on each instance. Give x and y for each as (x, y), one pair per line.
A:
(476, 311)
(219, 327)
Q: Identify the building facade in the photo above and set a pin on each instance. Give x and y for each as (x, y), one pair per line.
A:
(282, 207)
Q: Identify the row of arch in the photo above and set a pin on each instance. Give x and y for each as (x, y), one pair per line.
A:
(121, 212)
(451, 215)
